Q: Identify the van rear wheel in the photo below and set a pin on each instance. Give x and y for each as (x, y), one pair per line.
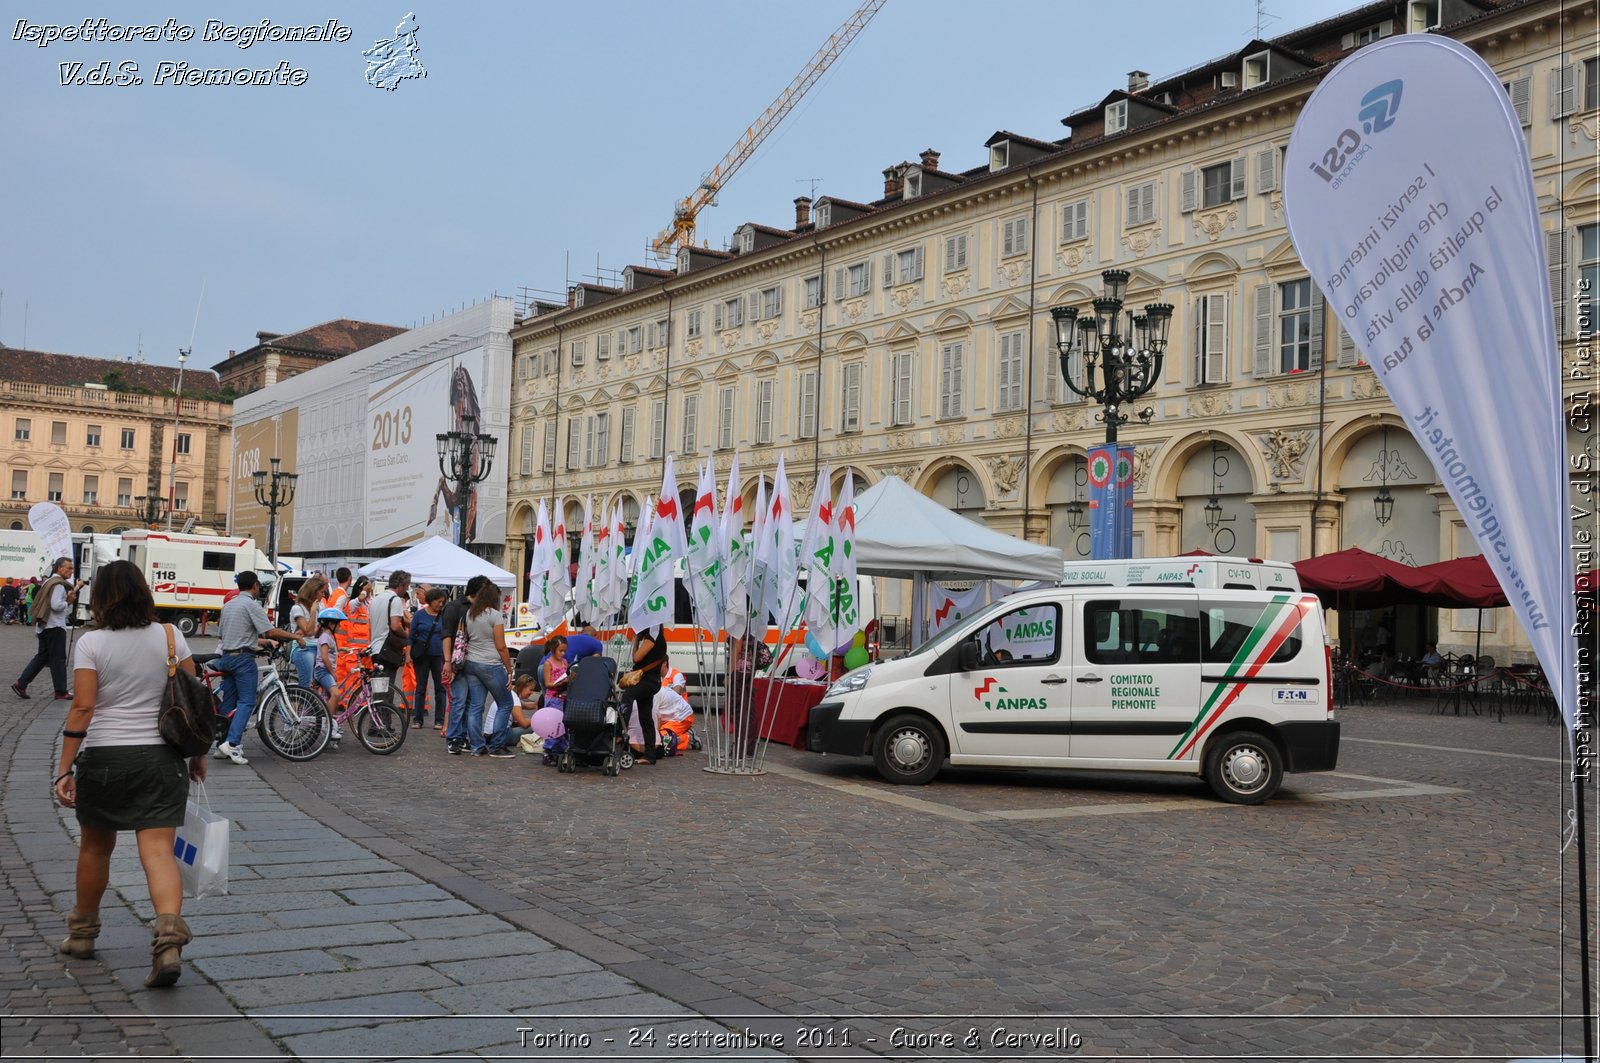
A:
(188, 624)
(1244, 768)
(908, 750)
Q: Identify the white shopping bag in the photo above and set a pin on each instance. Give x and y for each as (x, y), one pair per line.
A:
(202, 850)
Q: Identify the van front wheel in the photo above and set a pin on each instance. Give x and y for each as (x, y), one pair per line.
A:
(1244, 768)
(908, 751)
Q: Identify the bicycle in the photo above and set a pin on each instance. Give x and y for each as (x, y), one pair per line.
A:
(291, 721)
(380, 726)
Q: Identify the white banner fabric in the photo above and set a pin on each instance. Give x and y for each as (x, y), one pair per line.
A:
(1410, 198)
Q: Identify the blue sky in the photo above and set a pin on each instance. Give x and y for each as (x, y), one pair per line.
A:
(546, 139)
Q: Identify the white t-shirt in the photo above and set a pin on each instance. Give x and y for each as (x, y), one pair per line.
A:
(671, 705)
(380, 614)
(130, 666)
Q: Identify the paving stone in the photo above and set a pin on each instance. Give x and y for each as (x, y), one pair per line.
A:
(291, 940)
(394, 894)
(522, 965)
(507, 943)
(355, 1011)
(371, 913)
(266, 964)
(524, 994)
(329, 988)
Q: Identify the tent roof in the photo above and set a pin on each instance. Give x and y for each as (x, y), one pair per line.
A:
(900, 531)
(438, 560)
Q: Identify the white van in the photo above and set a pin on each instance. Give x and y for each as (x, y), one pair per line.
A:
(1220, 573)
(1234, 686)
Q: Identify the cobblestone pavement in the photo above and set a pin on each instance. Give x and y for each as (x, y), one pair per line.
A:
(1414, 903)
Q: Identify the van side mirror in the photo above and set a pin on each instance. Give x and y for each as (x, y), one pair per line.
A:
(967, 656)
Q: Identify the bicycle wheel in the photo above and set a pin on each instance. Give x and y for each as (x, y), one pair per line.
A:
(380, 727)
(295, 724)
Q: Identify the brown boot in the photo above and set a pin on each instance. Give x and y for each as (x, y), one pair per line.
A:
(81, 932)
(166, 950)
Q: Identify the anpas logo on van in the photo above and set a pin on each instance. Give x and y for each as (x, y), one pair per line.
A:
(998, 703)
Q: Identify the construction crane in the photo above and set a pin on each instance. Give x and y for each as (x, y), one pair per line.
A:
(681, 232)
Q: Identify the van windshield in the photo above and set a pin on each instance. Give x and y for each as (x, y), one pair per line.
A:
(962, 628)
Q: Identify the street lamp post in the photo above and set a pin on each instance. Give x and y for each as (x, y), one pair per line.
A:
(456, 464)
(149, 509)
(275, 492)
(177, 412)
(1127, 352)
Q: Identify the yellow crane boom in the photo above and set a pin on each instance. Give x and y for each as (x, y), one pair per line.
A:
(681, 232)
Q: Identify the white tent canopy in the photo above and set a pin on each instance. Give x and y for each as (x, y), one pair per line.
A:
(901, 532)
(438, 560)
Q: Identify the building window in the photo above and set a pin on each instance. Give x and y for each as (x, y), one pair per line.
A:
(1142, 204)
(180, 497)
(850, 400)
(730, 313)
(1256, 70)
(725, 409)
(1591, 84)
(635, 339)
(764, 399)
(526, 466)
(19, 485)
(695, 323)
(859, 279)
(578, 351)
(58, 433)
(602, 347)
(955, 252)
(1294, 326)
(552, 359)
(901, 389)
(806, 421)
(184, 442)
(1211, 339)
(602, 438)
(24, 429)
(91, 490)
(589, 461)
(1588, 260)
(92, 437)
(813, 292)
(1014, 237)
(630, 417)
(124, 492)
(952, 387)
(658, 427)
(1520, 92)
(127, 439)
(549, 464)
(691, 424)
(1116, 116)
(57, 485)
(662, 332)
(1075, 221)
(1008, 390)
(771, 302)
(1216, 184)
(908, 265)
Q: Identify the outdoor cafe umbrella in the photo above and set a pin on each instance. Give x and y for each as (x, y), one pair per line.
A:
(1358, 579)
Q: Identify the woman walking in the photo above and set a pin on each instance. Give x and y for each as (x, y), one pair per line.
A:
(116, 772)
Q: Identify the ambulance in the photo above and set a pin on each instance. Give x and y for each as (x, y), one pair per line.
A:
(1232, 686)
(1232, 573)
(191, 575)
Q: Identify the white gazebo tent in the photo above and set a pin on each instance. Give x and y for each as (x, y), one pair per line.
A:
(438, 560)
(902, 533)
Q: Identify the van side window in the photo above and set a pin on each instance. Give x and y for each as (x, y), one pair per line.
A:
(1141, 633)
(216, 561)
(1023, 636)
(1228, 630)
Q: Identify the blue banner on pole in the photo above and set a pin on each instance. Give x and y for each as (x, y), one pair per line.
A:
(1103, 507)
(1123, 483)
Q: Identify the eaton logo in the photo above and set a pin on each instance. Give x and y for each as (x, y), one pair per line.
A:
(1379, 107)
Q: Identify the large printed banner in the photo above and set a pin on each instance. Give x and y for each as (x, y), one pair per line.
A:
(407, 497)
(1410, 199)
(254, 446)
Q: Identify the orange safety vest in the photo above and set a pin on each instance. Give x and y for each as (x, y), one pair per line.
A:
(354, 634)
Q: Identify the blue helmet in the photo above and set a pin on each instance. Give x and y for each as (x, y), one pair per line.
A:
(331, 613)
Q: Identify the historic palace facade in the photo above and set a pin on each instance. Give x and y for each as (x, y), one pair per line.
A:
(910, 334)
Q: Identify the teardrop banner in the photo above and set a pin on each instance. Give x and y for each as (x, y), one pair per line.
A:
(49, 522)
(1409, 197)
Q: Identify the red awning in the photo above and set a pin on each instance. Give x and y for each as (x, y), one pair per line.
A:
(1466, 582)
(1357, 579)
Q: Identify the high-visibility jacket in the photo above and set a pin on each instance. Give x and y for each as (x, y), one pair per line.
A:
(354, 634)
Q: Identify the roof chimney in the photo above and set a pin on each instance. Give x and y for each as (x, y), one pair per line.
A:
(802, 211)
(572, 297)
(930, 159)
(1138, 80)
(891, 182)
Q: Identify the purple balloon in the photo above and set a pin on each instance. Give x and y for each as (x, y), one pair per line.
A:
(547, 723)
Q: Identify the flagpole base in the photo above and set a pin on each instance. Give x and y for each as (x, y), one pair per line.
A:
(733, 771)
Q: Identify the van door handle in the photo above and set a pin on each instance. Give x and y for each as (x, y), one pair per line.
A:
(1089, 679)
(1053, 680)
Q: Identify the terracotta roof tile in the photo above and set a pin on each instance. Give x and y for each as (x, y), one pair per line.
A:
(44, 367)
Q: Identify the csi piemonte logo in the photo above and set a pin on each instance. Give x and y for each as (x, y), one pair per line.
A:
(1379, 108)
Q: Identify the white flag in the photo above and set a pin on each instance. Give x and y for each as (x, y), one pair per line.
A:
(816, 555)
(1410, 198)
(585, 599)
(783, 577)
(846, 587)
(539, 569)
(756, 581)
(560, 574)
(601, 591)
(703, 571)
(653, 592)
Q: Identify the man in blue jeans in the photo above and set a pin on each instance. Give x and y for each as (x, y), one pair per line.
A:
(242, 626)
(466, 693)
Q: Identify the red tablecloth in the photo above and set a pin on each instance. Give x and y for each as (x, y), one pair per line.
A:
(785, 718)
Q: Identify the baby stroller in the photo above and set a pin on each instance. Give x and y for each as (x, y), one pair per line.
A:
(594, 727)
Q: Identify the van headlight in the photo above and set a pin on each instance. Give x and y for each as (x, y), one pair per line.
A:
(850, 682)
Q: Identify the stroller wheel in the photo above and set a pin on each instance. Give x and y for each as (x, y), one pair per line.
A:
(611, 765)
(625, 761)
